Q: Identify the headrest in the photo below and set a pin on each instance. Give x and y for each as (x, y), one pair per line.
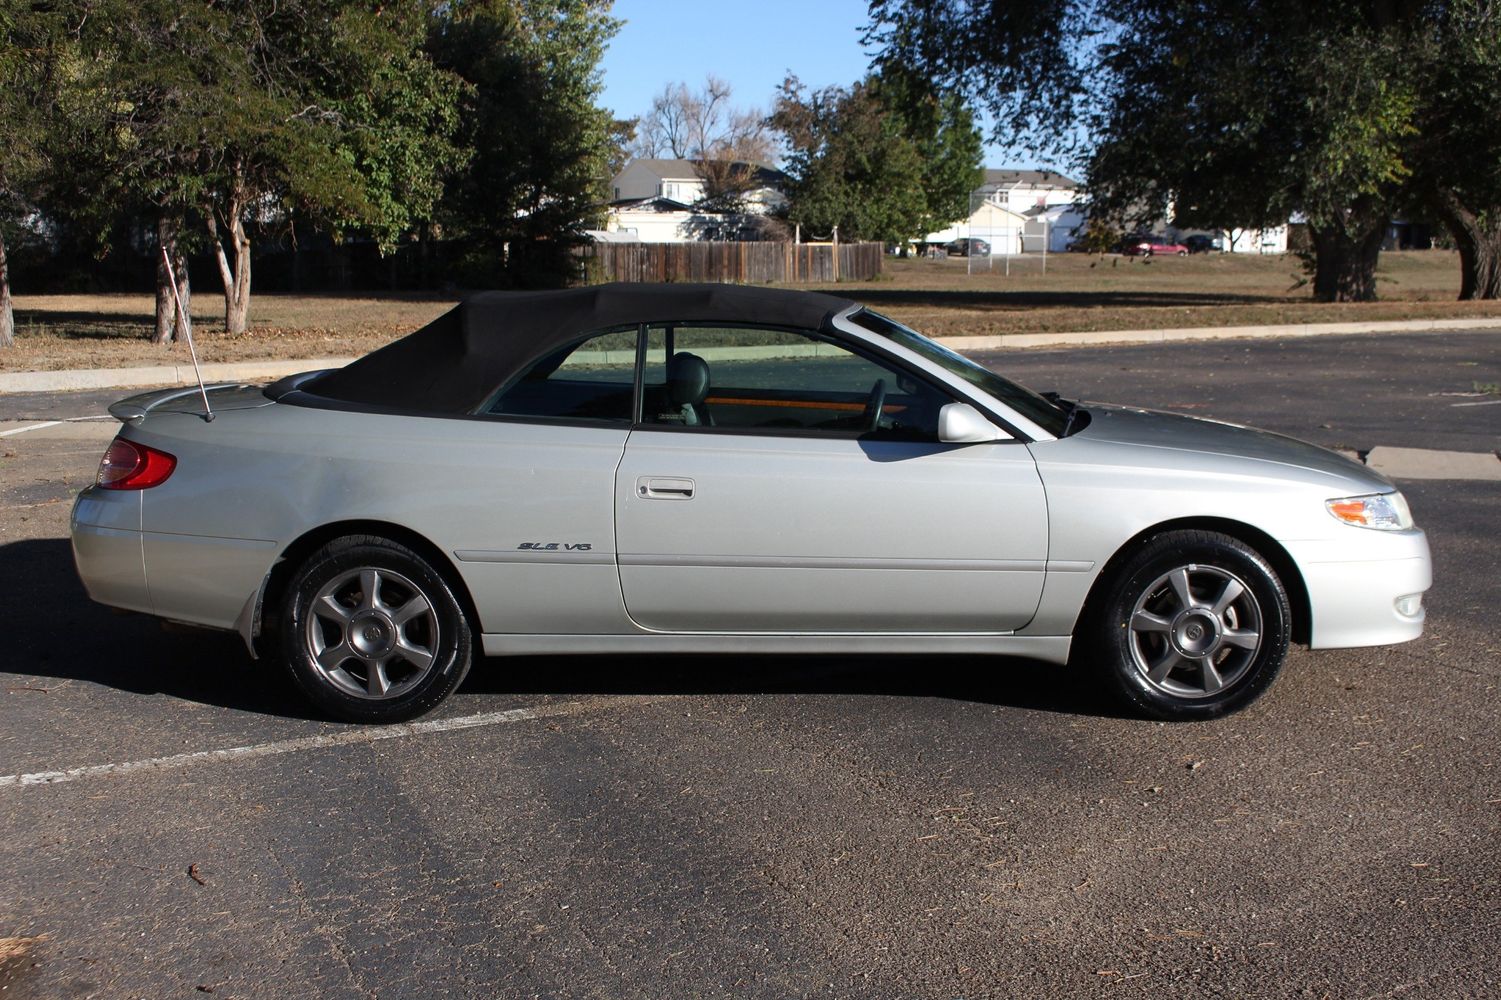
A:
(687, 379)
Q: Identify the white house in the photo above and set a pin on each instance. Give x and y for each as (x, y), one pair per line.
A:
(1270, 240)
(680, 181)
(654, 220)
(1060, 224)
(1022, 190)
(992, 222)
(1013, 208)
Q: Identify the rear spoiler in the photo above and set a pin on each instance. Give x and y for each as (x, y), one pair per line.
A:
(134, 409)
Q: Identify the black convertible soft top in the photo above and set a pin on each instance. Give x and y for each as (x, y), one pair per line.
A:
(455, 362)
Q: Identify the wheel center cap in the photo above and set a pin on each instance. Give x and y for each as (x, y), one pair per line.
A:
(372, 634)
(1196, 633)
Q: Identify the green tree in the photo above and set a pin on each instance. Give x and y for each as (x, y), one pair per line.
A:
(538, 141)
(398, 115)
(1233, 111)
(882, 160)
(246, 113)
(1456, 159)
(32, 54)
(943, 128)
(1202, 134)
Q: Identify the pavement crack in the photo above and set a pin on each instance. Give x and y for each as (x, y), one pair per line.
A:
(330, 937)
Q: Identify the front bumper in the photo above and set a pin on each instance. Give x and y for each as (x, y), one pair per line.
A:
(1357, 586)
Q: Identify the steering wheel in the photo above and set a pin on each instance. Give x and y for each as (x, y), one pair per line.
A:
(871, 418)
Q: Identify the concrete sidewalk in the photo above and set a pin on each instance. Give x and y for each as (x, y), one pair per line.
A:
(261, 371)
(132, 378)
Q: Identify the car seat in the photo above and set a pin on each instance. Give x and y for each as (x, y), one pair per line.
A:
(687, 386)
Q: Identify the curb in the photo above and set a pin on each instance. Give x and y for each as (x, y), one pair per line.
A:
(134, 378)
(256, 371)
(1424, 463)
(1274, 331)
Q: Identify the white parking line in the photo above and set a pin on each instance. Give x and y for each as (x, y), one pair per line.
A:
(364, 734)
(1484, 402)
(54, 423)
(33, 427)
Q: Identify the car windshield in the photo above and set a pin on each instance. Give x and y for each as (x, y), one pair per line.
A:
(1050, 416)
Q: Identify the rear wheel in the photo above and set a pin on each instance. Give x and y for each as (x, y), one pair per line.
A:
(372, 633)
(1194, 624)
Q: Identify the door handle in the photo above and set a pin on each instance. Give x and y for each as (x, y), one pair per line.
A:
(660, 488)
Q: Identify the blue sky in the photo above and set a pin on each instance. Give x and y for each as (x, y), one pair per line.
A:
(751, 45)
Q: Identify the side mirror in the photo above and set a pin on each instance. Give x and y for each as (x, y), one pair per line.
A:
(960, 423)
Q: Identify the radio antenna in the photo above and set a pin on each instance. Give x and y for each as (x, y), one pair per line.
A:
(187, 328)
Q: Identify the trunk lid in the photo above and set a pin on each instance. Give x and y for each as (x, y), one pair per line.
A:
(188, 399)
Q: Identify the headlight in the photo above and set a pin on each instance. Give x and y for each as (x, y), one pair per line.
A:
(1384, 511)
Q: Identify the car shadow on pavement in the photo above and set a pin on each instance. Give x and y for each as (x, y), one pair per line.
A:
(997, 680)
(59, 634)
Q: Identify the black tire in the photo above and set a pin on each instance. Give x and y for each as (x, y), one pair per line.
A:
(390, 641)
(1189, 659)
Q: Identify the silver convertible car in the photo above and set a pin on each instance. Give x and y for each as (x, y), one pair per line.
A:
(709, 468)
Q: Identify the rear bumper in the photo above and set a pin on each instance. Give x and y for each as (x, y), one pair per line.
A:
(107, 549)
(199, 579)
(1371, 601)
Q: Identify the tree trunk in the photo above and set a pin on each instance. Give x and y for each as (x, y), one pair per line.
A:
(166, 309)
(423, 254)
(184, 295)
(237, 312)
(235, 274)
(1345, 259)
(7, 316)
(1478, 236)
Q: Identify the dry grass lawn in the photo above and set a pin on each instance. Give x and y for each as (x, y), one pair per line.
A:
(1085, 292)
(113, 331)
(939, 297)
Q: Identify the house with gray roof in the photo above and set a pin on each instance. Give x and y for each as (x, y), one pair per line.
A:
(682, 181)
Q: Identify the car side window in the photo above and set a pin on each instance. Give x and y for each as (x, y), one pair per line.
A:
(780, 382)
(590, 379)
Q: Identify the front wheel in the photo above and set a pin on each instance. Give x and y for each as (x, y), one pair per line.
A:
(1194, 625)
(372, 633)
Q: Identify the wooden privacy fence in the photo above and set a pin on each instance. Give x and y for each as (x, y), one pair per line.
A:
(748, 263)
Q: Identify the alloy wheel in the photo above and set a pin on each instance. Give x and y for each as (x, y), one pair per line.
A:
(372, 633)
(1195, 631)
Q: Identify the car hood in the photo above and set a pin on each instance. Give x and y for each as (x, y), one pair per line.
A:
(1124, 425)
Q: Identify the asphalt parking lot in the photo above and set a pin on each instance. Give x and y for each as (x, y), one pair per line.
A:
(756, 827)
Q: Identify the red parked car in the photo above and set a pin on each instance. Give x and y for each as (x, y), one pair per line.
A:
(1150, 246)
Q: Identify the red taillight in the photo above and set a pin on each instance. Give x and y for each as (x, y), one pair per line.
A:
(131, 466)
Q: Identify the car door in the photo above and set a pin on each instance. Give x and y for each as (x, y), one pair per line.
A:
(528, 512)
(777, 481)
